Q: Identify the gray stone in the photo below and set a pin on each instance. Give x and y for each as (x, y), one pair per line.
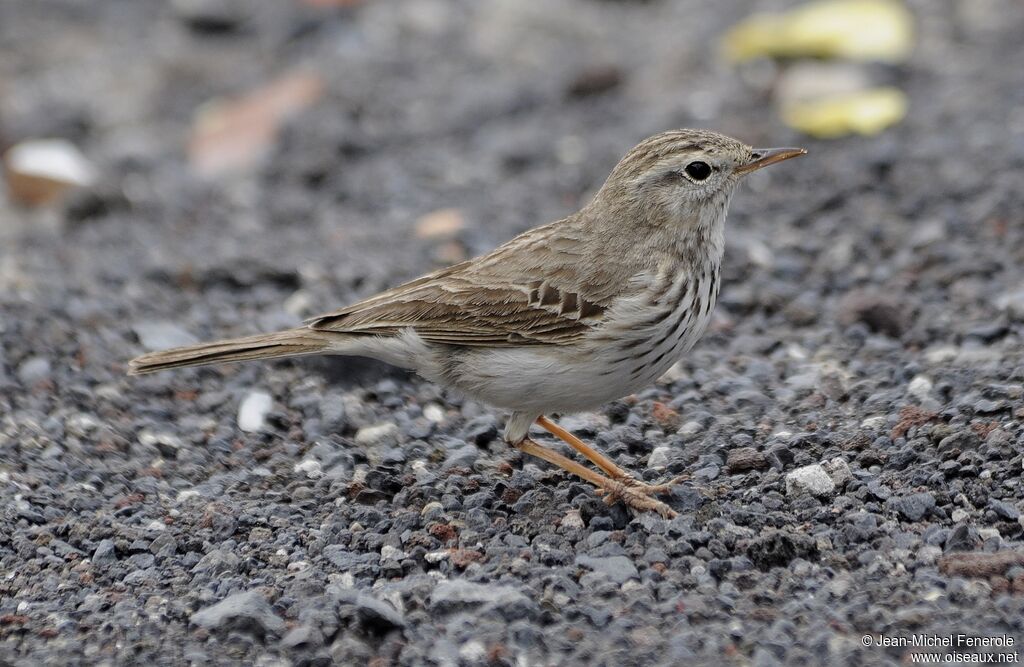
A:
(218, 561)
(162, 335)
(244, 612)
(459, 594)
(462, 457)
(839, 471)
(812, 479)
(33, 370)
(333, 415)
(1012, 302)
(367, 609)
(706, 473)
(104, 554)
(303, 636)
(619, 569)
(348, 561)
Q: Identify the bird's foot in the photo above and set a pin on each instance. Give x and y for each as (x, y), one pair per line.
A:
(618, 486)
(651, 489)
(636, 495)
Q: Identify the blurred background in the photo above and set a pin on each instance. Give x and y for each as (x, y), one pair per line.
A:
(190, 169)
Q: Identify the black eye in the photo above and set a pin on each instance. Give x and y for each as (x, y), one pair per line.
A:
(698, 170)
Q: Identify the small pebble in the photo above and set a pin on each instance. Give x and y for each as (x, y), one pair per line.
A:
(252, 412)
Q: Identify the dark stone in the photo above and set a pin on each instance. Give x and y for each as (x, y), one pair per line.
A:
(744, 459)
(881, 313)
(963, 537)
(373, 614)
(913, 507)
(1004, 510)
(594, 80)
(777, 548)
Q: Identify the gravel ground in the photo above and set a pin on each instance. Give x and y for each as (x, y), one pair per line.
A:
(852, 423)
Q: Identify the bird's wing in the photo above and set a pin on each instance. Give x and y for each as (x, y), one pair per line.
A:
(530, 291)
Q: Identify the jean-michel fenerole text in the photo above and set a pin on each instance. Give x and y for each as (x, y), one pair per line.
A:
(944, 641)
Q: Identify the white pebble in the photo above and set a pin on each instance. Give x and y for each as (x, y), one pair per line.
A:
(690, 428)
(311, 468)
(433, 412)
(1012, 302)
(188, 494)
(920, 387)
(252, 413)
(658, 458)
(57, 159)
(929, 553)
(572, 520)
(38, 171)
(432, 506)
(941, 354)
(388, 552)
(873, 422)
(378, 435)
(473, 651)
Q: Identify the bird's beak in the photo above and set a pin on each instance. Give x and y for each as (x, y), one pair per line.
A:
(766, 156)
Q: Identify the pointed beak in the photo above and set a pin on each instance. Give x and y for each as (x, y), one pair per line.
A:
(762, 157)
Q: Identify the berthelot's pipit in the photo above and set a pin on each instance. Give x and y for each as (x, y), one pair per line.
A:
(562, 318)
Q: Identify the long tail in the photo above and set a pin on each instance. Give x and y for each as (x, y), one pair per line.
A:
(288, 343)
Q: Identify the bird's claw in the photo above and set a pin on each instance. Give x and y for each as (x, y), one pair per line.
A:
(637, 495)
(652, 489)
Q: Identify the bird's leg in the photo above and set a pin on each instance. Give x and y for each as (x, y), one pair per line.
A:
(612, 490)
(603, 462)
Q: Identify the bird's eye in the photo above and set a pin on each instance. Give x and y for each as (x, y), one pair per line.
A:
(698, 170)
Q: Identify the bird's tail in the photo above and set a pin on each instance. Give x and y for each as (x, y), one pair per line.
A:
(288, 343)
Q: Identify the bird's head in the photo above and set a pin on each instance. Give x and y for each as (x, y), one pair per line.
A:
(687, 173)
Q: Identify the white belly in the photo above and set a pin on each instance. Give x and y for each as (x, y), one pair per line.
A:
(640, 342)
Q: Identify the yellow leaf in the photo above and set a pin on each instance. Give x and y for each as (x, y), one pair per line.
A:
(876, 30)
(866, 112)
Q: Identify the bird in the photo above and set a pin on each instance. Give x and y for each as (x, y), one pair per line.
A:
(562, 318)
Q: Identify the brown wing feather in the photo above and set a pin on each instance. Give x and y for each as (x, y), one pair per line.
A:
(527, 292)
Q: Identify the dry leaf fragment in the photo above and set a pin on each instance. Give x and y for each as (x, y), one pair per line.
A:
(233, 134)
(442, 223)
